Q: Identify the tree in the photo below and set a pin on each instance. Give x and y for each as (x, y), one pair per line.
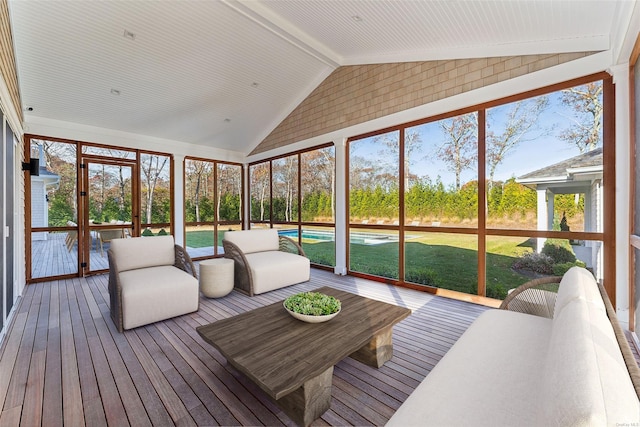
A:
(327, 167)
(60, 158)
(586, 103)
(317, 171)
(259, 187)
(152, 167)
(197, 171)
(520, 121)
(285, 187)
(412, 143)
(229, 192)
(460, 149)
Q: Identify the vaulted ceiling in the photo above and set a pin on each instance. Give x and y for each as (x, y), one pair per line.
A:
(225, 73)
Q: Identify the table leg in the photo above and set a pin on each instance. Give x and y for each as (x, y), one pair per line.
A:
(310, 401)
(377, 351)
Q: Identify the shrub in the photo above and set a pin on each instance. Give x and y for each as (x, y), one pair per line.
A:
(147, 232)
(533, 261)
(561, 268)
(559, 250)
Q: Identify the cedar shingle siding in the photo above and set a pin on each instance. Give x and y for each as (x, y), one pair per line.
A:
(358, 93)
(7, 58)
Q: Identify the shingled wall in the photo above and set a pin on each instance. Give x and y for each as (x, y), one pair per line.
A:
(358, 93)
(7, 58)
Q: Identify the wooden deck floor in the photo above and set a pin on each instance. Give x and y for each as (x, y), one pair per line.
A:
(63, 362)
(51, 257)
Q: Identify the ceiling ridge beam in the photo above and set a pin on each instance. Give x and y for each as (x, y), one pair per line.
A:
(285, 30)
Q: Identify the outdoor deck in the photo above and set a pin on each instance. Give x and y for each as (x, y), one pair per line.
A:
(63, 362)
(51, 257)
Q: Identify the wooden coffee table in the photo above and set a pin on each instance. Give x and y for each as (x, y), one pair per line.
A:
(292, 361)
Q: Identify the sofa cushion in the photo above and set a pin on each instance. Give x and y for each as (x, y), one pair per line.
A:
(250, 241)
(490, 377)
(143, 252)
(586, 381)
(156, 293)
(275, 269)
(578, 283)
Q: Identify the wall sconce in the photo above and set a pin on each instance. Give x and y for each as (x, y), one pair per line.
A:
(33, 166)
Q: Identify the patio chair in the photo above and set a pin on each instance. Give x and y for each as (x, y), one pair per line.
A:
(106, 236)
(264, 261)
(537, 297)
(150, 279)
(72, 236)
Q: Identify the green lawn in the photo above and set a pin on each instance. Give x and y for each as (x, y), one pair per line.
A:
(448, 261)
(202, 238)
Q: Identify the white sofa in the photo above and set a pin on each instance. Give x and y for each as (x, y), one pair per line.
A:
(264, 261)
(511, 368)
(150, 279)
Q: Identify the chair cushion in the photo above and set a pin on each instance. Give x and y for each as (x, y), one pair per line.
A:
(250, 241)
(275, 269)
(143, 252)
(157, 293)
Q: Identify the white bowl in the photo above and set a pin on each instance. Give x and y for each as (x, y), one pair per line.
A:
(312, 319)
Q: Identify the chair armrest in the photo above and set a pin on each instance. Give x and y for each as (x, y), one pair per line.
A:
(115, 292)
(537, 297)
(183, 261)
(288, 245)
(243, 279)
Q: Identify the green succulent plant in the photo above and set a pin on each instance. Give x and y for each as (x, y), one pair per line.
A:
(312, 304)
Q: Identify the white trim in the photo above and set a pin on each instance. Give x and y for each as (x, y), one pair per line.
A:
(622, 187)
(542, 180)
(583, 170)
(625, 39)
(19, 260)
(9, 110)
(78, 132)
(178, 195)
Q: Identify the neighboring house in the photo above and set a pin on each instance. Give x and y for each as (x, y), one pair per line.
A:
(578, 175)
(40, 186)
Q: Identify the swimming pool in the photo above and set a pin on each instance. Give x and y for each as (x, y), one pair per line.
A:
(309, 235)
(358, 238)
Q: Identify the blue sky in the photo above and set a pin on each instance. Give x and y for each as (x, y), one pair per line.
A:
(541, 147)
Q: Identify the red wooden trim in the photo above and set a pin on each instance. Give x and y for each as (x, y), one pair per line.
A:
(609, 209)
(482, 203)
(293, 153)
(401, 203)
(633, 171)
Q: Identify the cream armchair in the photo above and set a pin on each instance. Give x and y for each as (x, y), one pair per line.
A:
(264, 261)
(150, 279)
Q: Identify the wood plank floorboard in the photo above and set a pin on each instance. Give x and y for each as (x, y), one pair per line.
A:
(64, 363)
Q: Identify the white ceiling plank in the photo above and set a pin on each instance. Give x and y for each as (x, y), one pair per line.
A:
(193, 64)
